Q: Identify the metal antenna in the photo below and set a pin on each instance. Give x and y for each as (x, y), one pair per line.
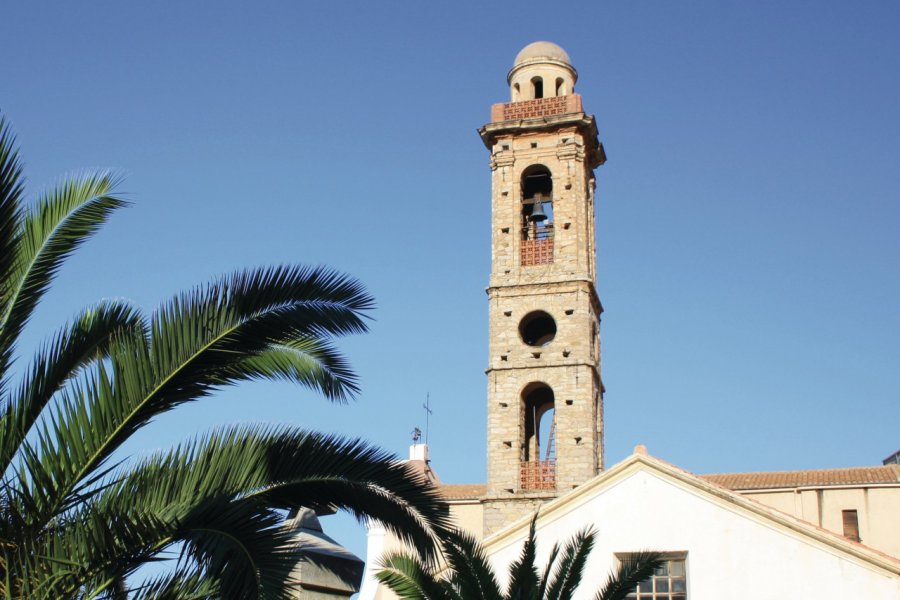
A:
(427, 407)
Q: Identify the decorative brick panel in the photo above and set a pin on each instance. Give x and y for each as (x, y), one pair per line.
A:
(537, 252)
(541, 107)
(538, 475)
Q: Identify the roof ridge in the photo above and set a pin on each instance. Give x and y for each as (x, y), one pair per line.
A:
(825, 470)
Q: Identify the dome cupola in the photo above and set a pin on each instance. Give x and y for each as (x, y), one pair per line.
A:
(541, 70)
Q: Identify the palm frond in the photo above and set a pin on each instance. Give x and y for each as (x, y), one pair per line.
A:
(475, 579)
(84, 341)
(84, 552)
(312, 362)
(75, 526)
(631, 571)
(318, 471)
(407, 577)
(544, 579)
(201, 341)
(242, 546)
(183, 584)
(61, 221)
(568, 570)
(11, 190)
(285, 468)
(523, 573)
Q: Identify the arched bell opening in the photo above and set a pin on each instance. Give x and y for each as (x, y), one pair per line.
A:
(538, 470)
(537, 215)
(537, 86)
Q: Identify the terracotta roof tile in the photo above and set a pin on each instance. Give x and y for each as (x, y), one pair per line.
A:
(743, 481)
(422, 470)
(463, 491)
(792, 479)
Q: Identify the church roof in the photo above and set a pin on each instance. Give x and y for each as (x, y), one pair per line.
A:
(463, 491)
(763, 480)
(816, 478)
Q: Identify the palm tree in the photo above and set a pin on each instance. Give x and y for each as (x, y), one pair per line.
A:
(76, 521)
(468, 574)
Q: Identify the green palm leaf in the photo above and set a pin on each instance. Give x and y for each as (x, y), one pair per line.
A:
(523, 573)
(86, 340)
(631, 571)
(468, 574)
(11, 190)
(243, 546)
(83, 553)
(569, 569)
(474, 579)
(48, 234)
(215, 336)
(75, 524)
(311, 361)
(407, 577)
(183, 584)
(285, 468)
(218, 493)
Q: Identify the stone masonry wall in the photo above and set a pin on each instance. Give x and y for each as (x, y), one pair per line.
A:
(500, 513)
(563, 153)
(564, 288)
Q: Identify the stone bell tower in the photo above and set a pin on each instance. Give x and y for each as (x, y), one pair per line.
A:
(545, 395)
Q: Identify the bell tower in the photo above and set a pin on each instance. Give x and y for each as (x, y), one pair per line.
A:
(545, 395)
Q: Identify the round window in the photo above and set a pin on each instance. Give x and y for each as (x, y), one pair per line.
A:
(537, 328)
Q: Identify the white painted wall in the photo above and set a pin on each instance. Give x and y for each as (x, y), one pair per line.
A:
(731, 552)
(374, 550)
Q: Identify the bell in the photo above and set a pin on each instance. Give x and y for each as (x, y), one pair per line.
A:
(537, 211)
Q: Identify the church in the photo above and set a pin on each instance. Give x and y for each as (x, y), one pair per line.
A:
(824, 534)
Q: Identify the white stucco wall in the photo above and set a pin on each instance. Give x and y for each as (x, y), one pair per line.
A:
(731, 552)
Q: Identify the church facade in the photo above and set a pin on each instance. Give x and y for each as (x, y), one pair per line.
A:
(824, 534)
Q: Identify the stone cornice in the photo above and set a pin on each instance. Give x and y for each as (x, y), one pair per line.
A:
(529, 289)
(586, 124)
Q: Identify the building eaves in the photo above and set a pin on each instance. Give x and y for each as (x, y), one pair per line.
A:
(767, 480)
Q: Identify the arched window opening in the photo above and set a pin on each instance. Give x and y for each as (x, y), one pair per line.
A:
(537, 216)
(537, 84)
(516, 92)
(539, 447)
(560, 87)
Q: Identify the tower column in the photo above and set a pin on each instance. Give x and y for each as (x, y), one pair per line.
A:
(545, 412)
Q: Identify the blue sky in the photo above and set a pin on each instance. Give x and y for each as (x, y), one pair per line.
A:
(748, 216)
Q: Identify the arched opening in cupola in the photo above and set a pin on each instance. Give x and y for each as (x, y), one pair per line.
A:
(560, 87)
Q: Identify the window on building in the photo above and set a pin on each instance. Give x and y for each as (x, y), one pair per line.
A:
(669, 582)
(538, 86)
(851, 524)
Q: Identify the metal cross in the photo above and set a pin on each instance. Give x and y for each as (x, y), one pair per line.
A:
(427, 407)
